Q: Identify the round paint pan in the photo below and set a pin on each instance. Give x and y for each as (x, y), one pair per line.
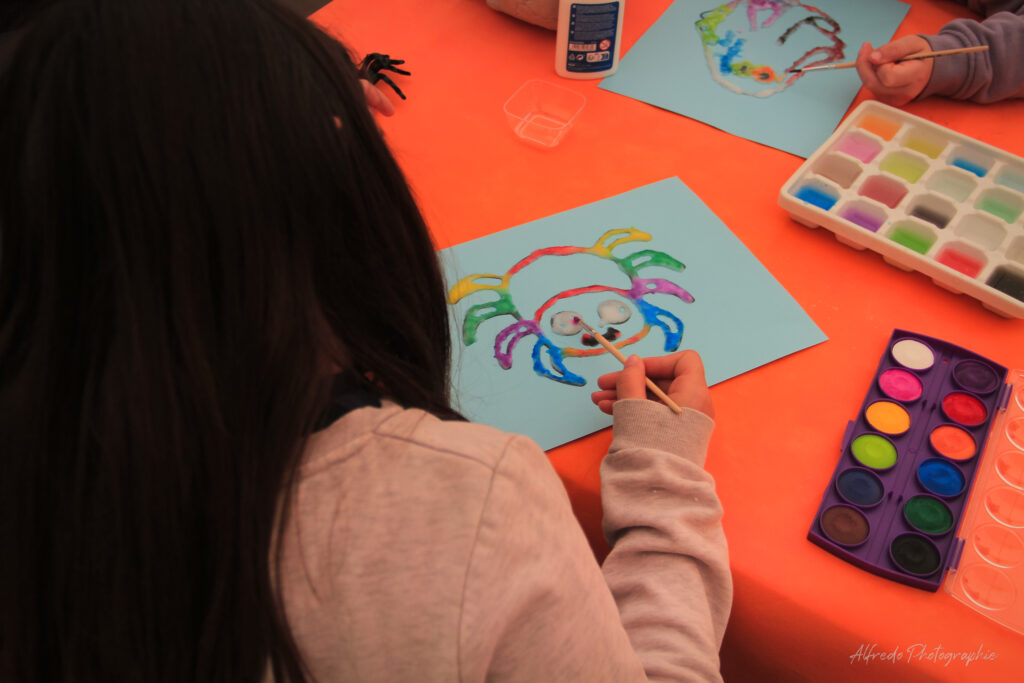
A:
(1006, 506)
(941, 477)
(844, 525)
(928, 514)
(1010, 468)
(913, 354)
(988, 587)
(964, 408)
(900, 385)
(874, 451)
(860, 486)
(975, 376)
(1015, 432)
(888, 417)
(953, 442)
(998, 546)
(915, 554)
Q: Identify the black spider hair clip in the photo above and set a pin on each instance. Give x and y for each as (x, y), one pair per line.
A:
(375, 62)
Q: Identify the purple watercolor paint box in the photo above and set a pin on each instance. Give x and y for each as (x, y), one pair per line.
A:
(894, 503)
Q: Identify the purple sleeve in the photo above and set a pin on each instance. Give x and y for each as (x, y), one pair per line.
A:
(990, 76)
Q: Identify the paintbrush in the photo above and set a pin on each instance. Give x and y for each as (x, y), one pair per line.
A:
(919, 55)
(622, 359)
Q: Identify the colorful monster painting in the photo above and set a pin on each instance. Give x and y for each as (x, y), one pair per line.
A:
(654, 270)
(729, 51)
(732, 64)
(557, 316)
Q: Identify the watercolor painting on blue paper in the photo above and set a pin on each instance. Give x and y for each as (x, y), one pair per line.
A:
(731, 65)
(630, 266)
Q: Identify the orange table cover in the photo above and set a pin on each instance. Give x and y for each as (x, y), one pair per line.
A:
(800, 614)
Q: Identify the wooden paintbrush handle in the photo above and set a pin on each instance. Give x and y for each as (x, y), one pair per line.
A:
(655, 389)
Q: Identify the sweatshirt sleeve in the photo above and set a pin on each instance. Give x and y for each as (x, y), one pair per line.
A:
(536, 605)
(982, 76)
(669, 564)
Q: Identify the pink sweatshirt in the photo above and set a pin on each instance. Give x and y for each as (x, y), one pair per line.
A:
(425, 550)
(982, 76)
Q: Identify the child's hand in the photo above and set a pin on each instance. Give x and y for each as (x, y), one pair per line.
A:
(895, 84)
(376, 100)
(680, 375)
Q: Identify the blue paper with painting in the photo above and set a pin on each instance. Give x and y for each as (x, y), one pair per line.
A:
(729, 65)
(653, 269)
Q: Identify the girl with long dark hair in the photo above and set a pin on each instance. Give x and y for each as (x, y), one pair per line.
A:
(227, 448)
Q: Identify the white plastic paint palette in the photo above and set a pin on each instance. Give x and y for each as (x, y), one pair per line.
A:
(923, 196)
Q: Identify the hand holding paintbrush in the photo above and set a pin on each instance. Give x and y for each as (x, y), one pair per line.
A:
(681, 374)
(897, 72)
(877, 57)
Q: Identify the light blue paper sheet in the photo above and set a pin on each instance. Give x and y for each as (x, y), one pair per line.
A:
(669, 66)
(740, 316)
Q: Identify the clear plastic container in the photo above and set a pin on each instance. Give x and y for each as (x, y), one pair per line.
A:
(541, 113)
(988, 572)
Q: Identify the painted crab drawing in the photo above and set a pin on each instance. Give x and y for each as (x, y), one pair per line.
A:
(618, 310)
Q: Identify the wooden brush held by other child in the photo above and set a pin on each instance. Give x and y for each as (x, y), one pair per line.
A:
(919, 55)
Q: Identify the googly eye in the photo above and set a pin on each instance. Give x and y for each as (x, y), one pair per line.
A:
(613, 312)
(566, 323)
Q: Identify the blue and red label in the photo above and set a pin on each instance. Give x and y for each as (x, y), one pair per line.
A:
(592, 32)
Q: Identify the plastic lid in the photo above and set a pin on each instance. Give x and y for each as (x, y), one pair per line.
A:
(989, 576)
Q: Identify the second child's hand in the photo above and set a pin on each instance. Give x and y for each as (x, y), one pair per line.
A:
(892, 83)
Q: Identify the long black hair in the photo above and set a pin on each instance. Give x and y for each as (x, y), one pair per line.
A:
(199, 219)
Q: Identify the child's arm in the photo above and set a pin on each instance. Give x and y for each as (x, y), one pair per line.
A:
(982, 77)
(537, 607)
(669, 564)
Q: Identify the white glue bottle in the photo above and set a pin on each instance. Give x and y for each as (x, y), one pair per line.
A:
(588, 39)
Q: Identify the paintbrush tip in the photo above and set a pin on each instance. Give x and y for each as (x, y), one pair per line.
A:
(579, 321)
